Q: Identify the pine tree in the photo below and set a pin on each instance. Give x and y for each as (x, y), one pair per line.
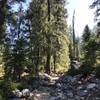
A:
(48, 36)
(7, 57)
(97, 40)
(60, 31)
(5, 5)
(15, 45)
(88, 47)
(19, 58)
(86, 38)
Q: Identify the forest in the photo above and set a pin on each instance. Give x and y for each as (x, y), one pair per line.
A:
(41, 58)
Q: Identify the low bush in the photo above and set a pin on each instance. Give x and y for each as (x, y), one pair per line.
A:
(73, 71)
(86, 69)
(97, 71)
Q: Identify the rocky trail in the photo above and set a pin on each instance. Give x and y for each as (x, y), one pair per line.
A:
(65, 88)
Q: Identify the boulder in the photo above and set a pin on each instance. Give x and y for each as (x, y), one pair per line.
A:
(17, 94)
(25, 92)
(75, 64)
(91, 86)
(70, 94)
(82, 93)
(47, 77)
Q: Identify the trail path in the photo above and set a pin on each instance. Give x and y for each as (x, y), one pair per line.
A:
(44, 92)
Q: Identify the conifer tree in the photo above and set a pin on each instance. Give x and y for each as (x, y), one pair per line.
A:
(48, 36)
(15, 45)
(89, 46)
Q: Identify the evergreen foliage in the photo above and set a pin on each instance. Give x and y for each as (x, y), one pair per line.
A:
(50, 30)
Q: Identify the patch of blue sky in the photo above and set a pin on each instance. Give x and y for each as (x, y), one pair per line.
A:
(25, 5)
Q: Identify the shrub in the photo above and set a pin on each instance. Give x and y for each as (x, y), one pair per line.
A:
(97, 71)
(1, 94)
(86, 69)
(7, 87)
(1, 98)
(73, 71)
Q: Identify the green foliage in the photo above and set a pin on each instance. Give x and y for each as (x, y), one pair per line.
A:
(88, 46)
(1, 91)
(86, 69)
(7, 86)
(1, 98)
(50, 36)
(73, 71)
(6, 89)
(91, 50)
(97, 71)
(86, 35)
(97, 45)
(95, 5)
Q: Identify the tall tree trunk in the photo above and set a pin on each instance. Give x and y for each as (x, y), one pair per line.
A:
(48, 60)
(48, 1)
(32, 64)
(54, 61)
(37, 61)
(2, 12)
(2, 18)
(47, 67)
(77, 50)
(74, 44)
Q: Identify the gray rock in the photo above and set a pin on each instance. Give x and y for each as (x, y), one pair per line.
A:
(82, 93)
(70, 94)
(97, 98)
(17, 93)
(97, 81)
(91, 86)
(58, 85)
(76, 64)
(47, 77)
(31, 97)
(15, 99)
(68, 88)
(80, 87)
(25, 92)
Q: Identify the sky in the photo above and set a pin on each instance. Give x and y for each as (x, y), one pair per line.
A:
(83, 15)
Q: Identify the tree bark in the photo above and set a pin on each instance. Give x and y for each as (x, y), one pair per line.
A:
(54, 61)
(2, 12)
(37, 61)
(48, 1)
(47, 67)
